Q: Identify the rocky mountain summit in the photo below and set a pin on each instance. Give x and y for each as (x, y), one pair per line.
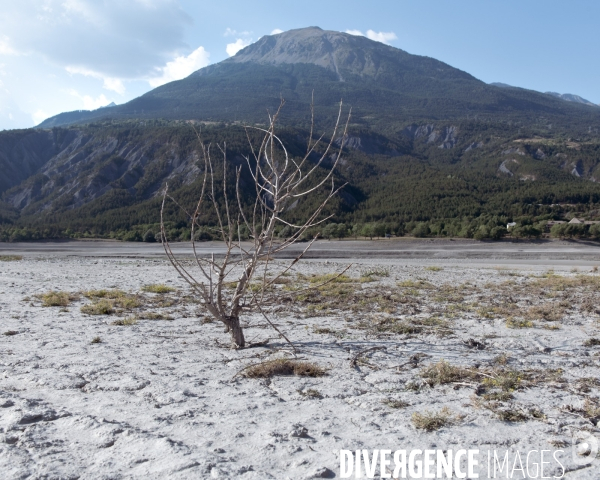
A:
(384, 85)
(344, 54)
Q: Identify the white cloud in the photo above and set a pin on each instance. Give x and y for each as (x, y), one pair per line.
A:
(229, 32)
(11, 115)
(38, 117)
(233, 48)
(109, 83)
(383, 37)
(114, 84)
(89, 103)
(181, 67)
(276, 31)
(5, 48)
(117, 39)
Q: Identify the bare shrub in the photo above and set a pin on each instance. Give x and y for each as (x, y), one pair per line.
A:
(278, 180)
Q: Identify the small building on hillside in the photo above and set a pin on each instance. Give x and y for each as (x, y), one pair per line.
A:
(577, 221)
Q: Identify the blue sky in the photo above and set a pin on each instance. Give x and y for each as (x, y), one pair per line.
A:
(62, 55)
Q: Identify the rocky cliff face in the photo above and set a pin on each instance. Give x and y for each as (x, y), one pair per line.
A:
(82, 167)
(23, 153)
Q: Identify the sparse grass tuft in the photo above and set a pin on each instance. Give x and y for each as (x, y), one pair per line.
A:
(57, 299)
(505, 380)
(434, 268)
(551, 326)
(591, 342)
(125, 321)
(512, 322)
(128, 302)
(501, 359)
(510, 415)
(157, 288)
(331, 278)
(550, 312)
(154, 316)
(497, 396)
(395, 403)
(106, 302)
(112, 293)
(393, 325)
(591, 409)
(442, 372)
(100, 307)
(375, 272)
(323, 330)
(10, 258)
(431, 421)
(283, 366)
(310, 393)
(413, 386)
(96, 340)
(415, 284)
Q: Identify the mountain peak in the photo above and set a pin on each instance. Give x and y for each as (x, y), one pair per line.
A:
(569, 97)
(313, 45)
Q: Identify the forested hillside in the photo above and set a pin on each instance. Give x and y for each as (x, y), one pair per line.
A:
(461, 179)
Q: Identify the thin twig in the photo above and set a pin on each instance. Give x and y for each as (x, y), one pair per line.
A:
(362, 352)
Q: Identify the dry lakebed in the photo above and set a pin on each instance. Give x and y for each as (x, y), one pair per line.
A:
(111, 368)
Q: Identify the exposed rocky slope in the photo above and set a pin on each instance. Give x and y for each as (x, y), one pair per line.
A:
(23, 152)
(85, 167)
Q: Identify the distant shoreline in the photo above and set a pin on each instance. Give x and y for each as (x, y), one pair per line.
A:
(538, 254)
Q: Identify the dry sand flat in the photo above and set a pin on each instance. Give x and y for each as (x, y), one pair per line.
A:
(507, 355)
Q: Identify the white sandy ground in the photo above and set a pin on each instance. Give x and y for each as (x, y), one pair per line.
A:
(159, 399)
